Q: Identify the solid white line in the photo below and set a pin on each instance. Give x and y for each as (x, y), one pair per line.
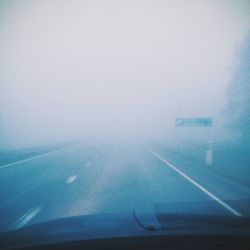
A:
(215, 198)
(31, 158)
(26, 218)
(71, 179)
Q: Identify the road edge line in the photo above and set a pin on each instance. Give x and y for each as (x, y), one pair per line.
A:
(214, 197)
(31, 158)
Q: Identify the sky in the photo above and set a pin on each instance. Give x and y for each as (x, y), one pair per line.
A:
(113, 69)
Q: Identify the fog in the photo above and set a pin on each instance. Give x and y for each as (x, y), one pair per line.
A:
(113, 70)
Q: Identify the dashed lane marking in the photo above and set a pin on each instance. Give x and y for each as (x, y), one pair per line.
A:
(26, 218)
(71, 179)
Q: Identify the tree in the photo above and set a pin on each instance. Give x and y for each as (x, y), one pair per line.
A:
(238, 92)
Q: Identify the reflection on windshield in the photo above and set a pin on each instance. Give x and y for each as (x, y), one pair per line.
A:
(107, 107)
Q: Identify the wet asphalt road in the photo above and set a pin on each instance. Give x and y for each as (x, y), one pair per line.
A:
(84, 179)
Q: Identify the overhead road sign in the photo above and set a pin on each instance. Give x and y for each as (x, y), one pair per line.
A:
(194, 122)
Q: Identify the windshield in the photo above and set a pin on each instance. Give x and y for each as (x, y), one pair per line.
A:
(111, 107)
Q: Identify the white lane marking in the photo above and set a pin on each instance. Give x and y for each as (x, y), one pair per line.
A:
(31, 158)
(215, 198)
(71, 179)
(26, 218)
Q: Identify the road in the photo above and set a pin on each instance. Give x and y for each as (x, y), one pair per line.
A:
(83, 179)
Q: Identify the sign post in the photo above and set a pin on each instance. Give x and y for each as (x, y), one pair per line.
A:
(199, 122)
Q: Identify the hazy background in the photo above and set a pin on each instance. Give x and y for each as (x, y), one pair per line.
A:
(114, 70)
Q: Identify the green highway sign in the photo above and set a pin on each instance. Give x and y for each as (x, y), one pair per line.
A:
(195, 122)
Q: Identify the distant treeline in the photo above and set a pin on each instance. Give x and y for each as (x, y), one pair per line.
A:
(238, 93)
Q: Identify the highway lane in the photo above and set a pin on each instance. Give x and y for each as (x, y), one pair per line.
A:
(89, 179)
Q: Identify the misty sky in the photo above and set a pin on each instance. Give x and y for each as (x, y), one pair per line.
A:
(123, 68)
